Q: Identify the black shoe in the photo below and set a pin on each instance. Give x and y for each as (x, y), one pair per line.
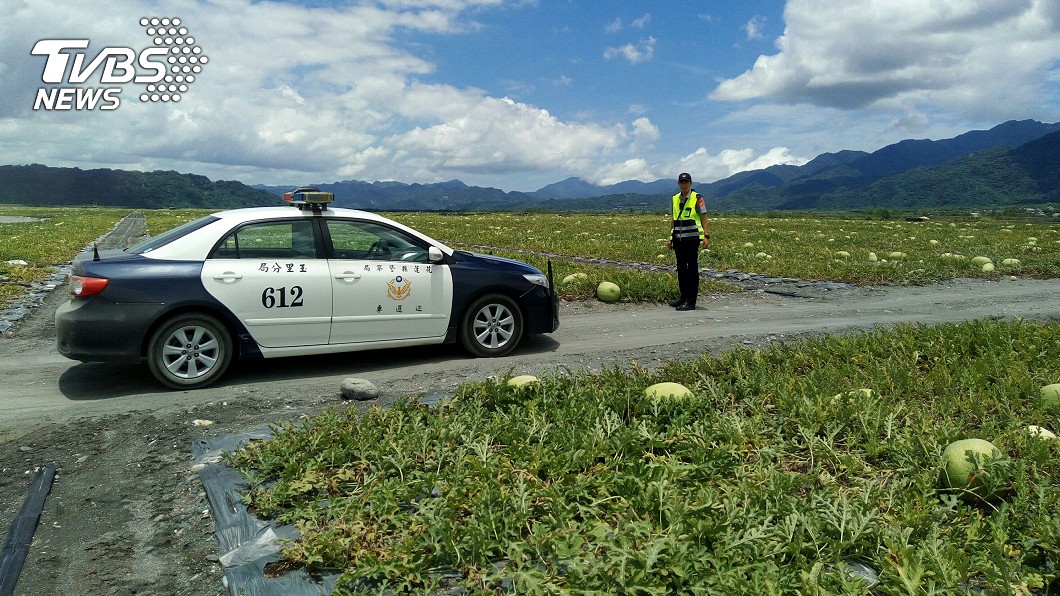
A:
(685, 306)
(676, 303)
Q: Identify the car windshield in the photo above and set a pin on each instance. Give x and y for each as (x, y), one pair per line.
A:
(166, 237)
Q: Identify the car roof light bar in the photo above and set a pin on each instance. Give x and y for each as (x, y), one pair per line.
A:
(310, 196)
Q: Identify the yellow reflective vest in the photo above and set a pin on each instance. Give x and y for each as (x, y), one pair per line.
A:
(687, 223)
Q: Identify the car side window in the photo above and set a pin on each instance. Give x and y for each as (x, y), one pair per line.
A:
(369, 241)
(269, 240)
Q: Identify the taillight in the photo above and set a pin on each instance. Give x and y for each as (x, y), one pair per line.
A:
(87, 286)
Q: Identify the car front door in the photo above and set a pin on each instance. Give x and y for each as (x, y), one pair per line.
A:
(268, 274)
(384, 287)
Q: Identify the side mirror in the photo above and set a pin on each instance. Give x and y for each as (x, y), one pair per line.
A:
(434, 255)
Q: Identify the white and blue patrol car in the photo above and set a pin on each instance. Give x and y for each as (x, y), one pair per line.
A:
(280, 281)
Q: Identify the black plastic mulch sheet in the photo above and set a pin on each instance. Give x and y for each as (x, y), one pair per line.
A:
(20, 538)
(247, 543)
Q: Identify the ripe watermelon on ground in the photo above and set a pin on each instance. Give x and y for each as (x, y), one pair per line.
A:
(608, 292)
(963, 465)
(1051, 396)
(668, 389)
(522, 380)
(1041, 433)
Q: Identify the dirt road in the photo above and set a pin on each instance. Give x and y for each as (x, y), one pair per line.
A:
(126, 515)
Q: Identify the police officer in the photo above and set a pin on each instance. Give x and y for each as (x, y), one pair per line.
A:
(689, 233)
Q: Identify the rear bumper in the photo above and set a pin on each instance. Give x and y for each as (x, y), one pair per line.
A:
(99, 331)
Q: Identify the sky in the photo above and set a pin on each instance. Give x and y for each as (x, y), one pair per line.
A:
(509, 94)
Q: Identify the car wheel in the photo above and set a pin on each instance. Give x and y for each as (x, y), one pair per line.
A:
(492, 326)
(189, 351)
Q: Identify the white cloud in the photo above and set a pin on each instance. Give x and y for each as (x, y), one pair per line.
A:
(978, 57)
(645, 131)
(294, 94)
(634, 54)
(616, 25)
(483, 134)
(753, 28)
(707, 167)
(631, 169)
(272, 107)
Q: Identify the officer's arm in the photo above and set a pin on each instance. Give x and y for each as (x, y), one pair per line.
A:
(701, 207)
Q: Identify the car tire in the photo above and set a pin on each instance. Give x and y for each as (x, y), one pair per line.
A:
(189, 351)
(491, 326)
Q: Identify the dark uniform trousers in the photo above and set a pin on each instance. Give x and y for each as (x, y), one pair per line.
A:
(686, 251)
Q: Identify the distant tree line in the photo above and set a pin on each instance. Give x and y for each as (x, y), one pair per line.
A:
(43, 185)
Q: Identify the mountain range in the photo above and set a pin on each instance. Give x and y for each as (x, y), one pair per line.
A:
(1014, 163)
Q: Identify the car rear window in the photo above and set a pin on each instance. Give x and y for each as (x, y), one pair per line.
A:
(166, 237)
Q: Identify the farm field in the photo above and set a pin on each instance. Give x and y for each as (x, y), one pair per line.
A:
(56, 237)
(829, 247)
(779, 474)
(825, 247)
(811, 467)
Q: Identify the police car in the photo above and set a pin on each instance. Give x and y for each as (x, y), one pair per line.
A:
(293, 280)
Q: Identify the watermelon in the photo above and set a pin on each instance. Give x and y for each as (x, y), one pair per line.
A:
(667, 389)
(1051, 396)
(522, 381)
(608, 292)
(962, 462)
(1041, 433)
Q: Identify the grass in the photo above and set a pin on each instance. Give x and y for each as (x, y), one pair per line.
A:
(807, 248)
(56, 238)
(776, 477)
(636, 285)
(53, 240)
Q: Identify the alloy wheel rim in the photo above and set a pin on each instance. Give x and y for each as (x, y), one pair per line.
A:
(494, 326)
(190, 352)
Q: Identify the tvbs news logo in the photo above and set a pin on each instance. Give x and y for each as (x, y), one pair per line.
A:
(166, 69)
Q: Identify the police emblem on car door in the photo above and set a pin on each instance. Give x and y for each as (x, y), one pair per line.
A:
(385, 287)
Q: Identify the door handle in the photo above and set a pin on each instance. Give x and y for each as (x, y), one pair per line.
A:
(228, 276)
(347, 275)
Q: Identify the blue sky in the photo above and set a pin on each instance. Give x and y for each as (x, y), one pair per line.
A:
(517, 94)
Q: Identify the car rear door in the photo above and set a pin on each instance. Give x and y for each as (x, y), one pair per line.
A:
(269, 275)
(384, 287)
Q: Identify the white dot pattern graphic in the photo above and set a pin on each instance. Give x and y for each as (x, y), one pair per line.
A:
(185, 58)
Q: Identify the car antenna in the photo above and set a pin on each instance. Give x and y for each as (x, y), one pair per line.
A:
(95, 252)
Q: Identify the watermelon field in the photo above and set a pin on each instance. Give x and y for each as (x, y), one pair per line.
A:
(812, 466)
(848, 248)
